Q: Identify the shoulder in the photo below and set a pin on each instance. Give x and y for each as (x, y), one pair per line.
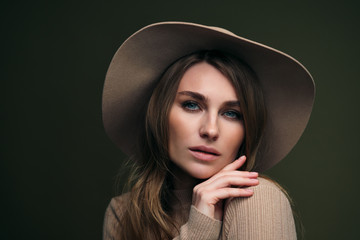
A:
(268, 186)
(113, 215)
(267, 191)
(267, 195)
(119, 200)
(117, 205)
(268, 211)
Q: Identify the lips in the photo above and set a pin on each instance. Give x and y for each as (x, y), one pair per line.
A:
(204, 153)
(205, 149)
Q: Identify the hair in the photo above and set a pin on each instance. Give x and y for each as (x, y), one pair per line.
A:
(148, 209)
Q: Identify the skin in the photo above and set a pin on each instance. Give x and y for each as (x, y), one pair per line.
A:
(205, 132)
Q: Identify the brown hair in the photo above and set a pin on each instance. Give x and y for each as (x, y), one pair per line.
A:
(148, 211)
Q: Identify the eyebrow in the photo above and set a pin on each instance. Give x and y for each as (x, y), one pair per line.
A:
(232, 104)
(200, 97)
(194, 95)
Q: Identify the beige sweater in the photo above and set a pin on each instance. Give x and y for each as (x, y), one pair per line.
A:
(266, 215)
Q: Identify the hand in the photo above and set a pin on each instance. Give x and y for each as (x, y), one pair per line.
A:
(208, 196)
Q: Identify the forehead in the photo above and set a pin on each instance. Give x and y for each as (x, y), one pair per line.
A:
(209, 81)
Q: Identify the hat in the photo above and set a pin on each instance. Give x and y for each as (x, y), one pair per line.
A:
(140, 61)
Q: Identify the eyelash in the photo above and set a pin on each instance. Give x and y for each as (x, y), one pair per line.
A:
(238, 116)
(190, 105)
(186, 106)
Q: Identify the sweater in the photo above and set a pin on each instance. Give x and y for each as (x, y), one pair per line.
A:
(267, 215)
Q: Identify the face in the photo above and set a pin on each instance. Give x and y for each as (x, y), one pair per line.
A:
(205, 122)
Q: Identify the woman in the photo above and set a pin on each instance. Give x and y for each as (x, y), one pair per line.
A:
(208, 109)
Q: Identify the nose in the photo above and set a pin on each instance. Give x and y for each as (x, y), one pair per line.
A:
(209, 128)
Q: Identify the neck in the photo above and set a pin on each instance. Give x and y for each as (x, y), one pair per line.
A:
(182, 180)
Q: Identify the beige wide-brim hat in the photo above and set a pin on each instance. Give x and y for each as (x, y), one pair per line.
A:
(139, 62)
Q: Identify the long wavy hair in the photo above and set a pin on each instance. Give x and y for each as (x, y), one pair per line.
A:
(147, 214)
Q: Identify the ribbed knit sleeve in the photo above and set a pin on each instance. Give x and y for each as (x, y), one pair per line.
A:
(267, 215)
(199, 227)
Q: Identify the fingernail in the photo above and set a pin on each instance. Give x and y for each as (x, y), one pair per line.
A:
(254, 173)
(249, 190)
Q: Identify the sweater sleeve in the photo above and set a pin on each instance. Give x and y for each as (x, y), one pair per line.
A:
(199, 226)
(267, 215)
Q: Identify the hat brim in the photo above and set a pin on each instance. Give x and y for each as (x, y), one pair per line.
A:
(288, 87)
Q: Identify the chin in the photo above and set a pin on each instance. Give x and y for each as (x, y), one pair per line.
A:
(201, 174)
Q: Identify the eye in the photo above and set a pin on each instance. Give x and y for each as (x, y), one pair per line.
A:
(191, 106)
(233, 115)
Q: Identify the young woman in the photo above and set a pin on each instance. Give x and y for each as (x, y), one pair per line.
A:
(200, 111)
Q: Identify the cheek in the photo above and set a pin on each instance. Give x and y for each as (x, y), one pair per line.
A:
(177, 129)
(235, 138)
(239, 136)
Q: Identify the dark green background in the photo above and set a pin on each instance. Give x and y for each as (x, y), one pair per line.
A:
(58, 166)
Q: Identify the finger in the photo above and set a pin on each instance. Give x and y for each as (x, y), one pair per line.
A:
(224, 182)
(227, 181)
(225, 193)
(237, 173)
(228, 174)
(235, 164)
